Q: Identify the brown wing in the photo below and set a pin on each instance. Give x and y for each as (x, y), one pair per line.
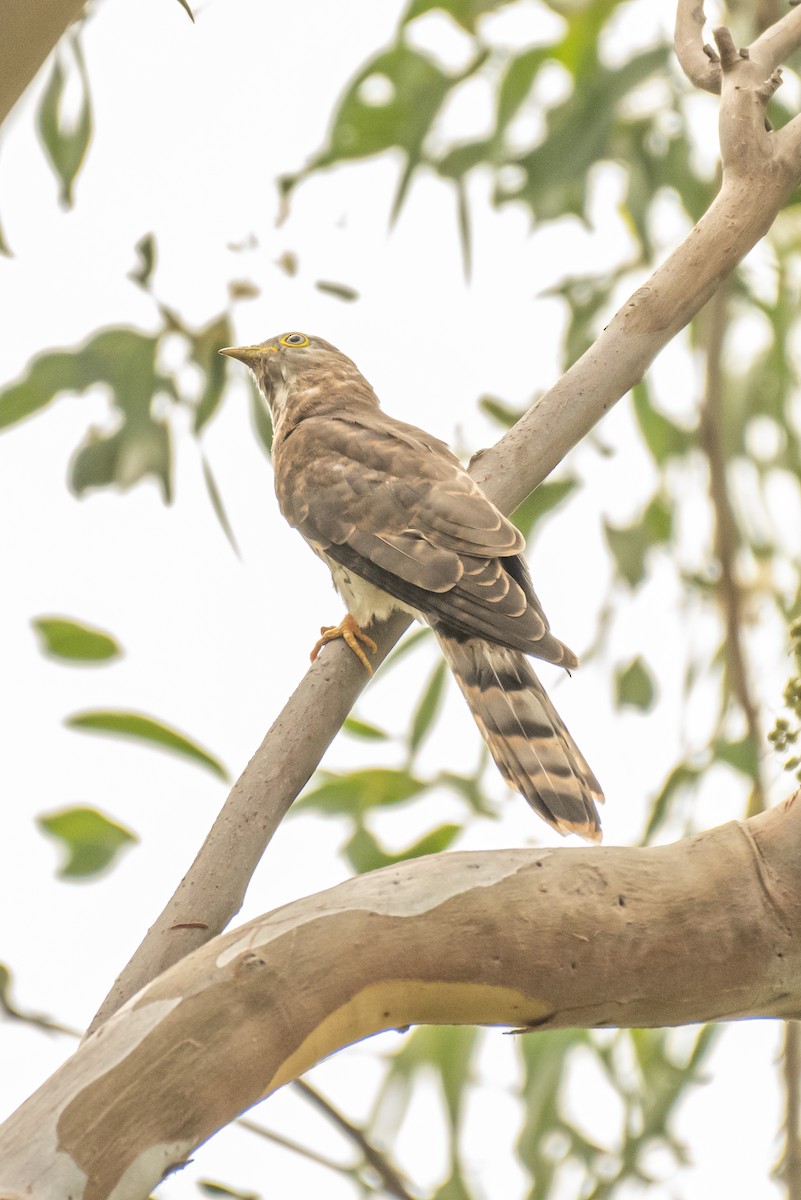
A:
(393, 505)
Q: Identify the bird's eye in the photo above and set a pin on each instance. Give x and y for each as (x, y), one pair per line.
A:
(294, 339)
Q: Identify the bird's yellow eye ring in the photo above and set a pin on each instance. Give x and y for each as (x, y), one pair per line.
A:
(294, 339)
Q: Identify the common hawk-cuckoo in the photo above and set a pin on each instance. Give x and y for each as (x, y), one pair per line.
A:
(402, 525)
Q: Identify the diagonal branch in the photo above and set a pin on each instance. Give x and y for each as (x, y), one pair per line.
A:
(392, 1181)
(760, 171)
(31, 29)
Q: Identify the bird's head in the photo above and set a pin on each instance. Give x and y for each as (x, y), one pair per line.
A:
(296, 366)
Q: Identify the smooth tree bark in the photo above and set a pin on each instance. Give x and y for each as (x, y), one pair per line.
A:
(29, 29)
(705, 929)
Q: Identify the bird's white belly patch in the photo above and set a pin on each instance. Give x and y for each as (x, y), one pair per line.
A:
(364, 600)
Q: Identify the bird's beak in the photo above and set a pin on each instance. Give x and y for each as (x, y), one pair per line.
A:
(246, 354)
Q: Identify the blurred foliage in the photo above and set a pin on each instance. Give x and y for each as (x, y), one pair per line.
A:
(63, 638)
(148, 730)
(145, 396)
(786, 733)
(587, 93)
(66, 138)
(12, 1011)
(92, 840)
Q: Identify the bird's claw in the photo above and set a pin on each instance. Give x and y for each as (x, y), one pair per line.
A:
(352, 635)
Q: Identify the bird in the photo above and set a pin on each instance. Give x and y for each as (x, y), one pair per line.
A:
(402, 525)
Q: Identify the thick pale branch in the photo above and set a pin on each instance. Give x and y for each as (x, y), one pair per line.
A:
(31, 29)
(779, 41)
(702, 65)
(702, 70)
(707, 929)
(760, 171)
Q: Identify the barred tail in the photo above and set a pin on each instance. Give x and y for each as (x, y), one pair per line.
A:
(526, 736)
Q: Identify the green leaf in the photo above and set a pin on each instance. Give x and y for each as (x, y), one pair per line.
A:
(134, 444)
(500, 411)
(10, 1009)
(340, 291)
(185, 6)
(146, 253)
(661, 436)
(454, 1187)
(634, 686)
(516, 84)
(70, 640)
(362, 729)
(741, 755)
(630, 545)
(554, 182)
(365, 853)
(449, 1051)
(464, 227)
(146, 729)
(391, 103)
(66, 143)
(375, 787)
(410, 642)
(428, 706)
(543, 499)
(206, 345)
(465, 12)
(262, 422)
(435, 842)
(469, 788)
(207, 1186)
(680, 779)
(92, 840)
(217, 504)
(5, 249)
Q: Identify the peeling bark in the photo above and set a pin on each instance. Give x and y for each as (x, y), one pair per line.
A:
(705, 929)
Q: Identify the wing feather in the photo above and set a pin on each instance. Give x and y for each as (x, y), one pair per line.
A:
(392, 504)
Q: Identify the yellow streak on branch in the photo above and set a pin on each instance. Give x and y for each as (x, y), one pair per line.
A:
(396, 1003)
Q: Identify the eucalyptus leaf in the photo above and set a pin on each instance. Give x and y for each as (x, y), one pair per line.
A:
(634, 686)
(364, 730)
(428, 706)
(72, 641)
(359, 791)
(66, 141)
(148, 730)
(92, 841)
(135, 444)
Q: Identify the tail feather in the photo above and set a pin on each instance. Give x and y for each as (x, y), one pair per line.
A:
(525, 735)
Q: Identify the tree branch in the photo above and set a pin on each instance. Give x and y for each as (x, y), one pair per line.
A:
(760, 171)
(730, 593)
(391, 1179)
(702, 65)
(790, 1166)
(31, 29)
(706, 929)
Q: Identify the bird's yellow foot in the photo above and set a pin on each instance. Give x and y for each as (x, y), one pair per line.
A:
(352, 635)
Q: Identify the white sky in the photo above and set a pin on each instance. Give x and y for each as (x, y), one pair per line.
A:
(192, 126)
